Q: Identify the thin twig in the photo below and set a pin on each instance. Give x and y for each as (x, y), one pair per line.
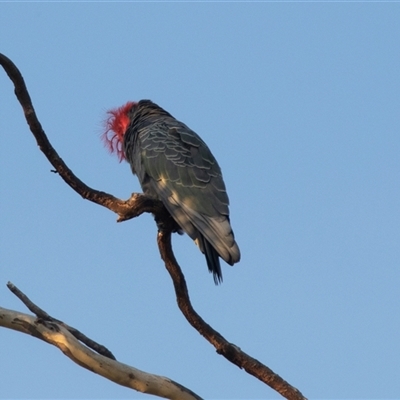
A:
(41, 314)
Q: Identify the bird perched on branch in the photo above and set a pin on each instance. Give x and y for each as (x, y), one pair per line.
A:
(174, 165)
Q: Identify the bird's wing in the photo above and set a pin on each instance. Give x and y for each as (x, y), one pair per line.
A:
(187, 178)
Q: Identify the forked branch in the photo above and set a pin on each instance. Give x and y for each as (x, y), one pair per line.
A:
(131, 208)
(101, 361)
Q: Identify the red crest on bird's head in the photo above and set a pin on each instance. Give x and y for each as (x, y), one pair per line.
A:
(116, 124)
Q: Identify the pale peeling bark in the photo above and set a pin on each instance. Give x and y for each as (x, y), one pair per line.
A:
(125, 375)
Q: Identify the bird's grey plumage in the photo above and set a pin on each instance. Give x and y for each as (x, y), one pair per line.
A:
(173, 164)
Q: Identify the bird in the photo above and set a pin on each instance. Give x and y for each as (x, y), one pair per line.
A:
(174, 165)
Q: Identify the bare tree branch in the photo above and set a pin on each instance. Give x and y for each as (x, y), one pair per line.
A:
(231, 352)
(56, 333)
(126, 209)
(132, 208)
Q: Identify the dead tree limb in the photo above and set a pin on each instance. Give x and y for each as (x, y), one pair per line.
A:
(131, 208)
(59, 334)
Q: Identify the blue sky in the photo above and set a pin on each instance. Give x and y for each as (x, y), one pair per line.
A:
(299, 103)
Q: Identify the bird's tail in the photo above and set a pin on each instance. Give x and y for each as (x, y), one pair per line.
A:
(212, 258)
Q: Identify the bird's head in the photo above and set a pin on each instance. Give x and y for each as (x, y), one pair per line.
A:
(115, 125)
